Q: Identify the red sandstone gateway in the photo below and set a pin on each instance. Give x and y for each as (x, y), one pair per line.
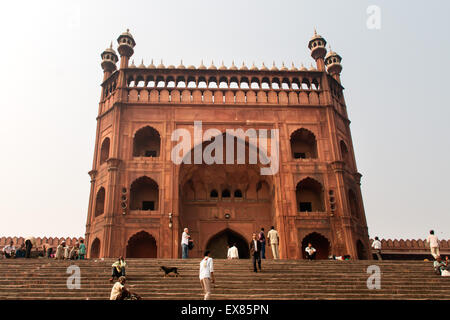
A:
(140, 200)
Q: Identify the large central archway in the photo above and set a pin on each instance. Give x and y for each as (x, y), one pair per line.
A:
(218, 244)
(141, 245)
(216, 197)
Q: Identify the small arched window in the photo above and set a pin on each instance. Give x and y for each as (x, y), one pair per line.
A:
(214, 194)
(238, 193)
(104, 151)
(226, 193)
(146, 143)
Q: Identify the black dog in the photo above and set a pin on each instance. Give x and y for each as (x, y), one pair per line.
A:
(168, 270)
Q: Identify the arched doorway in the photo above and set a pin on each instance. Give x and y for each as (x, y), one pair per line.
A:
(309, 195)
(218, 244)
(95, 249)
(208, 198)
(319, 242)
(142, 245)
(303, 144)
(144, 194)
(361, 250)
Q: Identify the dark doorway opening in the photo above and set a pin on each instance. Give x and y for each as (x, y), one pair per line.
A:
(148, 205)
(141, 245)
(218, 244)
(319, 242)
(95, 249)
(361, 250)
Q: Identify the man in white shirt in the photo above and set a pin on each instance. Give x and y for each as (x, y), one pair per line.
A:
(207, 274)
(117, 289)
(376, 245)
(233, 252)
(185, 243)
(433, 241)
(310, 252)
(9, 250)
(273, 239)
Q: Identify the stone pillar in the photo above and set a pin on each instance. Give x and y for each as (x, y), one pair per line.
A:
(111, 201)
(344, 217)
(92, 174)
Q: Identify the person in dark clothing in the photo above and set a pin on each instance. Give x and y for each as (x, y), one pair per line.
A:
(255, 252)
(262, 239)
(20, 253)
(28, 246)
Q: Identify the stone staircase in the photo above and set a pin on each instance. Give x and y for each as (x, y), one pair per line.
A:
(283, 279)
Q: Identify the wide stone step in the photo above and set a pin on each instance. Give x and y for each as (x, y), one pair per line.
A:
(282, 279)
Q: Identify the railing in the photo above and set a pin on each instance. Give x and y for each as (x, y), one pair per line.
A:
(228, 96)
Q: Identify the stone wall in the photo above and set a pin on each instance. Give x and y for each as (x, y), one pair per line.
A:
(410, 246)
(49, 242)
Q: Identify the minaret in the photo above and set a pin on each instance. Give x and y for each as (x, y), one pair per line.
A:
(109, 60)
(126, 45)
(333, 63)
(318, 50)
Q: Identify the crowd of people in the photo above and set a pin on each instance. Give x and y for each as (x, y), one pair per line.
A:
(63, 251)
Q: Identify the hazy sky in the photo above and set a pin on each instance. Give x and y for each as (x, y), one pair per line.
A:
(396, 81)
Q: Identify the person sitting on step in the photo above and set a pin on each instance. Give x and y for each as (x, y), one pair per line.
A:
(20, 253)
(440, 265)
(118, 269)
(120, 292)
(310, 252)
(9, 251)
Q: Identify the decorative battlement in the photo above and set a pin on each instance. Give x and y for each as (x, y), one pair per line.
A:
(411, 245)
(219, 85)
(51, 242)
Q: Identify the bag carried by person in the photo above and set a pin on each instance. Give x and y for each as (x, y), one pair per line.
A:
(191, 245)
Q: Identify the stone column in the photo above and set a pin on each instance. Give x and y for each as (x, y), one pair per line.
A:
(92, 174)
(344, 217)
(109, 246)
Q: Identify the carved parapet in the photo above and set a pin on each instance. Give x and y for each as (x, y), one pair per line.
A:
(48, 242)
(224, 86)
(417, 245)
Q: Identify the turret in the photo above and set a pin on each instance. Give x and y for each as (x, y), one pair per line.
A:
(333, 63)
(126, 45)
(318, 50)
(109, 60)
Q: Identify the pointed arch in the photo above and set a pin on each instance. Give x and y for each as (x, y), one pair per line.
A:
(309, 194)
(104, 151)
(146, 142)
(303, 144)
(218, 243)
(100, 202)
(95, 248)
(144, 194)
(141, 245)
(319, 242)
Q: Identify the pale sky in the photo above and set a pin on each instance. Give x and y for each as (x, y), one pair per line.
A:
(396, 81)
